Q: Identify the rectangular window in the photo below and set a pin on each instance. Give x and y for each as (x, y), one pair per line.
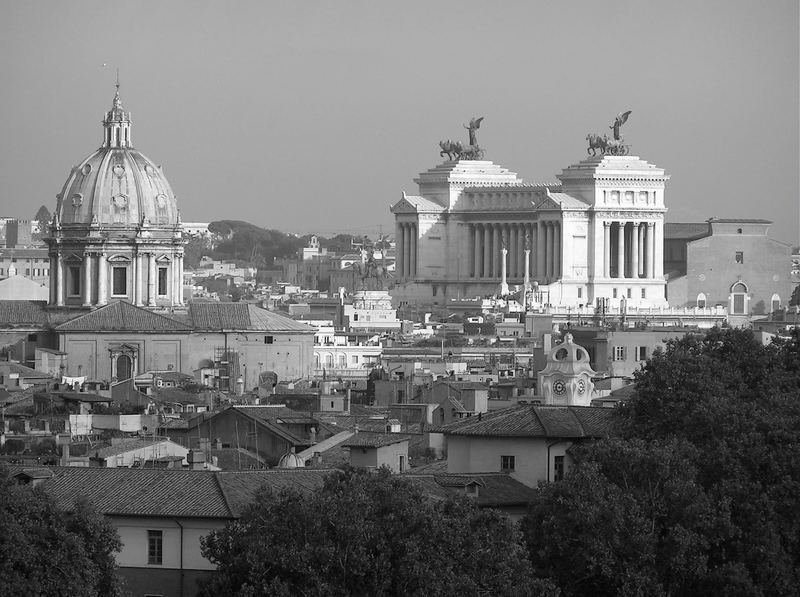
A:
(155, 547)
(27, 271)
(739, 256)
(507, 463)
(738, 304)
(629, 293)
(614, 293)
(268, 339)
(558, 468)
(641, 353)
(580, 292)
(644, 292)
(162, 281)
(32, 337)
(619, 353)
(120, 281)
(74, 281)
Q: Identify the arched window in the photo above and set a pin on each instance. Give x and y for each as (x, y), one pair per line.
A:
(329, 361)
(776, 303)
(342, 361)
(316, 360)
(738, 302)
(701, 301)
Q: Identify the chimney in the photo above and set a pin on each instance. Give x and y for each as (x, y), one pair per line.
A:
(317, 459)
(196, 460)
(27, 424)
(65, 454)
(46, 426)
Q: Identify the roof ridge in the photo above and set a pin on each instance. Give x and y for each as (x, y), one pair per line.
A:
(222, 493)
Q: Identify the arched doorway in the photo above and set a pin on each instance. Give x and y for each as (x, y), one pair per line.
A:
(738, 304)
(124, 366)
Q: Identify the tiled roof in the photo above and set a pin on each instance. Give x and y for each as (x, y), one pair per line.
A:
(24, 371)
(739, 221)
(241, 316)
(121, 316)
(125, 446)
(23, 313)
(535, 421)
(686, 231)
(494, 489)
(374, 440)
(171, 493)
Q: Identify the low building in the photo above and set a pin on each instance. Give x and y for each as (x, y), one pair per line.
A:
(370, 450)
(161, 515)
(139, 452)
(530, 443)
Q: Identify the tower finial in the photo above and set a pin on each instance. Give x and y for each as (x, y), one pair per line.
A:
(117, 78)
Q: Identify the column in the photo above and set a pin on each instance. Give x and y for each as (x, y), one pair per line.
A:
(540, 248)
(557, 268)
(527, 280)
(476, 272)
(649, 269)
(504, 279)
(413, 263)
(620, 249)
(137, 284)
(658, 250)
(59, 281)
(487, 251)
(52, 276)
(102, 277)
(635, 250)
(179, 283)
(151, 280)
(606, 249)
(548, 250)
(87, 279)
(514, 240)
(406, 250)
(173, 276)
(495, 250)
(398, 250)
(642, 228)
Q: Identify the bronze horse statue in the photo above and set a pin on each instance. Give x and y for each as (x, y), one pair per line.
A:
(371, 269)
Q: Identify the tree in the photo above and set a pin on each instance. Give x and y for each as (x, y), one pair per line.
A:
(45, 551)
(367, 534)
(43, 215)
(698, 488)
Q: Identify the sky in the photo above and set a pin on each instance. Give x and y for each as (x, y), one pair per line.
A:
(314, 117)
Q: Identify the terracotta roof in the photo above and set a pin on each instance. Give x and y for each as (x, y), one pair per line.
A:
(374, 440)
(169, 492)
(23, 313)
(121, 316)
(534, 421)
(686, 231)
(125, 446)
(494, 489)
(241, 316)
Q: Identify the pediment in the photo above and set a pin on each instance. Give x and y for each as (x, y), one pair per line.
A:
(163, 259)
(119, 259)
(404, 206)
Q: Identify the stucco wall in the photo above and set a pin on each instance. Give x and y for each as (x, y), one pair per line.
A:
(466, 454)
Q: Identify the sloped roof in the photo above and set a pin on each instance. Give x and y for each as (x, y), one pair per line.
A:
(169, 492)
(241, 316)
(495, 489)
(374, 440)
(126, 446)
(534, 421)
(121, 316)
(568, 201)
(685, 231)
(23, 313)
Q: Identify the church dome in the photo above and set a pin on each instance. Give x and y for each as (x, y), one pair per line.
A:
(117, 185)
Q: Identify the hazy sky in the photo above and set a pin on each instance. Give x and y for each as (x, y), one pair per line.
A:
(314, 116)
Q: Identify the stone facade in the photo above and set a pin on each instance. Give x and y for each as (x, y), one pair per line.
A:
(477, 229)
(730, 263)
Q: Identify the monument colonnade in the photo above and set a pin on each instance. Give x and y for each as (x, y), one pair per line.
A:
(141, 279)
(487, 239)
(406, 235)
(629, 249)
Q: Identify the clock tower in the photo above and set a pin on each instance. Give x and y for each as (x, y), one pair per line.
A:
(566, 380)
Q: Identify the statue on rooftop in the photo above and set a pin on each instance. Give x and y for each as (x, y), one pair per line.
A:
(615, 146)
(454, 150)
